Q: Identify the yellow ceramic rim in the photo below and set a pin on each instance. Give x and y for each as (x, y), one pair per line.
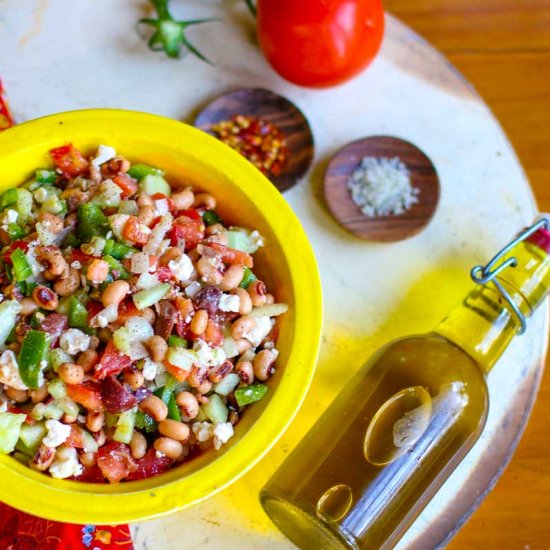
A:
(75, 502)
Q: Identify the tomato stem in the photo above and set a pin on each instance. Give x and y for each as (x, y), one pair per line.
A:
(251, 7)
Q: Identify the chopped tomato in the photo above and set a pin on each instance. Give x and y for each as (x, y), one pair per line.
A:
(213, 334)
(54, 324)
(23, 245)
(78, 256)
(112, 362)
(190, 231)
(93, 307)
(16, 410)
(179, 374)
(76, 437)
(115, 461)
(69, 160)
(90, 474)
(165, 274)
(87, 394)
(133, 231)
(161, 196)
(150, 465)
(126, 310)
(128, 184)
(232, 256)
(190, 213)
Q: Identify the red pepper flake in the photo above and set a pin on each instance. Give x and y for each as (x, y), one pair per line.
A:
(6, 120)
(259, 141)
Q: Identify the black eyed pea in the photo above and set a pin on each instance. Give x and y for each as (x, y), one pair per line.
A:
(138, 445)
(155, 407)
(115, 292)
(188, 404)
(174, 430)
(71, 373)
(169, 447)
(263, 364)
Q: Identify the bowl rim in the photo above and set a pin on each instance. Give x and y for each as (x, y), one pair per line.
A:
(76, 502)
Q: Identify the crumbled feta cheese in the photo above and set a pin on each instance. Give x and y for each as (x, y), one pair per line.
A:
(57, 434)
(104, 154)
(182, 268)
(161, 206)
(9, 371)
(203, 431)
(207, 356)
(229, 302)
(222, 433)
(11, 216)
(76, 265)
(73, 340)
(193, 289)
(150, 369)
(260, 331)
(65, 464)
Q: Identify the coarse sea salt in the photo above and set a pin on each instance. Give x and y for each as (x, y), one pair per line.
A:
(381, 186)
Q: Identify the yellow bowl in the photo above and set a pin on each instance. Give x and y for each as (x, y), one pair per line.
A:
(286, 263)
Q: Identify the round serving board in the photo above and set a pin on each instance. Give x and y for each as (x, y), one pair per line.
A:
(57, 57)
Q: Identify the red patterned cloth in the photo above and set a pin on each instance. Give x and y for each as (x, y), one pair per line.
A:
(6, 120)
(21, 531)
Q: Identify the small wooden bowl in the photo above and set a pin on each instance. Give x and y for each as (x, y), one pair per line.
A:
(388, 228)
(275, 109)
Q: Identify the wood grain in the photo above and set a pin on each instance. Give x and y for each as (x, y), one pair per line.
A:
(277, 110)
(423, 176)
(503, 48)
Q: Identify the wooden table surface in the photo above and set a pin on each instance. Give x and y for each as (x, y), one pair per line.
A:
(503, 48)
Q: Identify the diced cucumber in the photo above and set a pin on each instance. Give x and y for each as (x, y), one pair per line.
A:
(125, 426)
(139, 171)
(32, 435)
(229, 347)
(58, 357)
(90, 444)
(57, 388)
(248, 278)
(68, 406)
(8, 315)
(270, 310)
(10, 429)
(153, 183)
(121, 340)
(24, 205)
(201, 416)
(150, 296)
(129, 207)
(53, 204)
(21, 457)
(22, 448)
(8, 198)
(181, 358)
(51, 411)
(109, 195)
(228, 384)
(250, 394)
(215, 410)
(244, 240)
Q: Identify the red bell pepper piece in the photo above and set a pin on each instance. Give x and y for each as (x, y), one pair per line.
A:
(23, 245)
(78, 256)
(128, 184)
(115, 461)
(69, 160)
(112, 362)
(190, 231)
(87, 394)
(232, 256)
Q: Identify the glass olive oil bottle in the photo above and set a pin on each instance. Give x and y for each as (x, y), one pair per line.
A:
(396, 432)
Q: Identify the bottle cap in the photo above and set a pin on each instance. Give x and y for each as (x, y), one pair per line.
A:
(541, 237)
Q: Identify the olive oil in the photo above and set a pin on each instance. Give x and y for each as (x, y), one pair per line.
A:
(392, 437)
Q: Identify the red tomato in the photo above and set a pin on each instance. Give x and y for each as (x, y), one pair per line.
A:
(87, 394)
(190, 231)
(232, 256)
(190, 213)
(69, 160)
(128, 184)
(132, 231)
(116, 397)
(78, 256)
(213, 334)
(150, 465)
(112, 362)
(126, 310)
(115, 461)
(76, 437)
(90, 474)
(320, 43)
(93, 307)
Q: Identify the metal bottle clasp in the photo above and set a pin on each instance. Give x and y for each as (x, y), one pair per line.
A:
(485, 274)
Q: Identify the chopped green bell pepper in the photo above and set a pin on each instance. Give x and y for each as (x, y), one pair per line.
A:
(78, 314)
(91, 221)
(250, 394)
(166, 393)
(116, 265)
(21, 267)
(8, 198)
(118, 250)
(248, 278)
(16, 232)
(176, 342)
(145, 422)
(45, 176)
(210, 218)
(139, 171)
(33, 352)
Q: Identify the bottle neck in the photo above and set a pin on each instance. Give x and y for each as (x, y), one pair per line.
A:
(484, 324)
